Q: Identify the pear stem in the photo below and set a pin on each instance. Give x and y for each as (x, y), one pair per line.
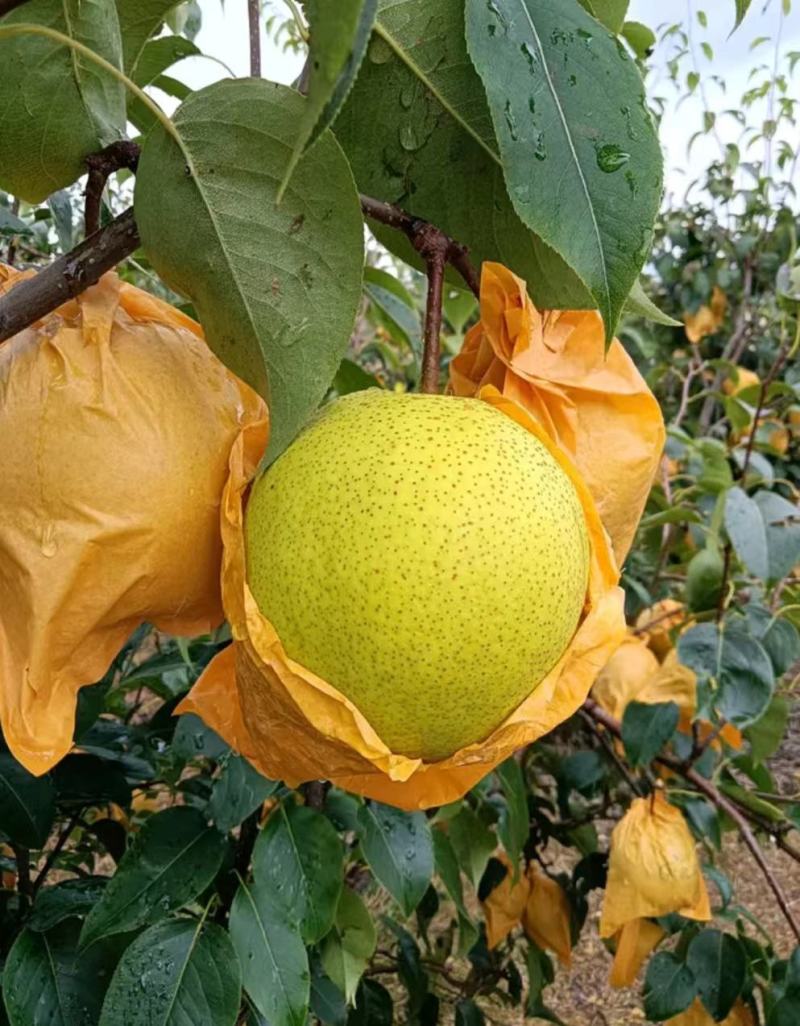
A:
(437, 250)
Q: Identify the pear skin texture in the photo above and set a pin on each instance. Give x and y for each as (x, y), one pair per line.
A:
(426, 556)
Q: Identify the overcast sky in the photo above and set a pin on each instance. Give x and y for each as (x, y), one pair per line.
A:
(224, 35)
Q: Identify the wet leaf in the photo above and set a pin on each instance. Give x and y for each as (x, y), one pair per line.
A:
(276, 288)
(581, 160)
(399, 849)
(172, 859)
(176, 973)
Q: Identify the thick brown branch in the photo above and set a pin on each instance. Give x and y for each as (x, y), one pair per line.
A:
(68, 276)
(101, 166)
(254, 24)
(718, 800)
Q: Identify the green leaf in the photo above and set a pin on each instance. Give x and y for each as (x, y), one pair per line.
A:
(238, 791)
(396, 303)
(27, 803)
(339, 36)
(350, 945)
(176, 973)
(785, 1012)
(351, 377)
(424, 109)
(646, 728)
(746, 530)
(61, 208)
(738, 664)
(581, 160)
(781, 642)
(47, 980)
(65, 900)
(276, 288)
(766, 734)
(410, 968)
(639, 304)
(468, 1013)
(89, 780)
(172, 859)
(374, 1006)
(610, 13)
(669, 987)
(138, 21)
(459, 306)
(514, 825)
(450, 875)
(160, 54)
(641, 40)
(473, 843)
(56, 106)
(741, 10)
(298, 857)
(272, 955)
(783, 532)
(327, 1001)
(10, 224)
(194, 740)
(399, 849)
(720, 967)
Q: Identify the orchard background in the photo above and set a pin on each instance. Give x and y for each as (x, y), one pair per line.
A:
(154, 860)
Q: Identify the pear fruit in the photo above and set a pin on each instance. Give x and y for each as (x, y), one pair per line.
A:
(425, 555)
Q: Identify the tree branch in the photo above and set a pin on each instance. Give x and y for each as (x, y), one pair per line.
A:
(68, 276)
(718, 800)
(101, 166)
(254, 23)
(414, 228)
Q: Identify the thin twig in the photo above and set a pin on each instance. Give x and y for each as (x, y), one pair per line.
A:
(121, 154)
(718, 800)
(254, 24)
(13, 241)
(315, 793)
(23, 860)
(609, 749)
(56, 851)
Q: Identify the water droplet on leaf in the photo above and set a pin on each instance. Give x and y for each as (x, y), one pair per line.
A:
(511, 120)
(611, 158)
(409, 139)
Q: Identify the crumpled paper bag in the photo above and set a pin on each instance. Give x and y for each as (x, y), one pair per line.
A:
(117, 422)
(594, 404)
(294, 726)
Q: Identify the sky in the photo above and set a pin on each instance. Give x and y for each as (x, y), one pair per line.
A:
(224, 35)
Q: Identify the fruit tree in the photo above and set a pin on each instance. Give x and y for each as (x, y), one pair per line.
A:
(399, 533)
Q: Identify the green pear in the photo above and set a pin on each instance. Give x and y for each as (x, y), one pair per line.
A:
(425, 555)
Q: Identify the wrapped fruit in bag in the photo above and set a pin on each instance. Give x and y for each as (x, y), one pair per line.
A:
(117, 423)
(342, 664)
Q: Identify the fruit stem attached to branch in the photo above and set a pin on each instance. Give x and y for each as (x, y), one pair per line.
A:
(437, 250)
(121, 154)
